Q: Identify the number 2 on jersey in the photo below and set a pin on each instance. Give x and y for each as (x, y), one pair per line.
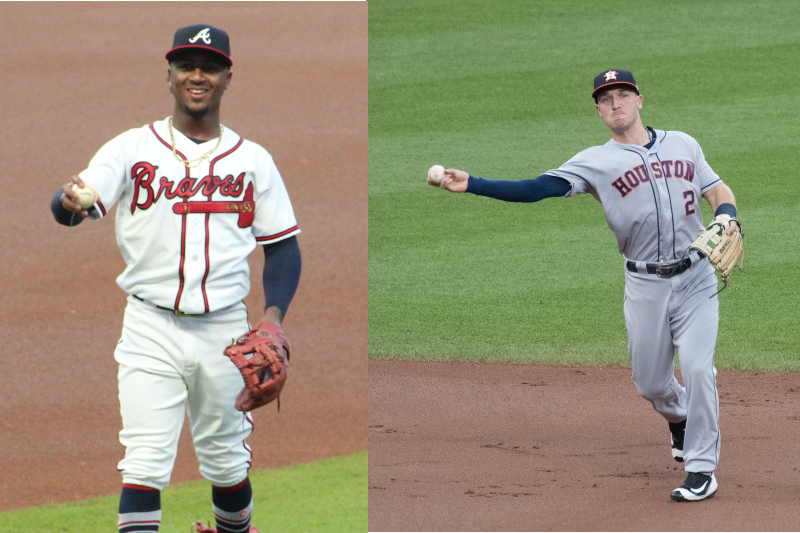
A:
(690, 202)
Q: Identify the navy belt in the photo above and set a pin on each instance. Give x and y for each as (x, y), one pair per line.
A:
(173, 311)
(663, 270)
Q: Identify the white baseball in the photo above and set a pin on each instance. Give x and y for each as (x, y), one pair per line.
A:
(435, 174)
(87, 196)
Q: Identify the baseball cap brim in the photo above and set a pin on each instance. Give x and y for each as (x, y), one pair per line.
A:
(615, 82)
(227, 59)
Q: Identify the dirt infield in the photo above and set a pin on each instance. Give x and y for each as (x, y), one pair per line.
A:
(469, 447)
(80, 74)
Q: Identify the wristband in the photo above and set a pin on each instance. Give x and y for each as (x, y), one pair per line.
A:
(726, 209)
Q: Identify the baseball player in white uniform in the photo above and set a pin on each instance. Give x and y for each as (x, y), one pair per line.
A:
(650, 183)
(194, 199)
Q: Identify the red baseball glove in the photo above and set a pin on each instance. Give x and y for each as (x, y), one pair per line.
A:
(264, 371)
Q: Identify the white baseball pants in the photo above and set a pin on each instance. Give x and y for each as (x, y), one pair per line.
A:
(170, 366)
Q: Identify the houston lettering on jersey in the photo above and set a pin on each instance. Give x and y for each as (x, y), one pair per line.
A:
(662, 169)
(144, 195)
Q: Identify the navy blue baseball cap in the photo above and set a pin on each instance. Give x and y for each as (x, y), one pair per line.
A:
(611, 77)
(203, 37)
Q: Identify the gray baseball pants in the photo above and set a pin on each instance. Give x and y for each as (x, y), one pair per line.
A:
(663, 315)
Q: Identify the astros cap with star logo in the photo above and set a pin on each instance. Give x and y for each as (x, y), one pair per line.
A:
(614, 76)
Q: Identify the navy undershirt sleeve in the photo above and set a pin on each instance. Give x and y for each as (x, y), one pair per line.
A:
(282, 265)
(65, 217)
(530, 190)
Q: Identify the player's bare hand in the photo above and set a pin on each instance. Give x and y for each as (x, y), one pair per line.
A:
(454, 180)
(70, 198)
(733, 226)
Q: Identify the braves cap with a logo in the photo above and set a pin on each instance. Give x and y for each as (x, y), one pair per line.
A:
(204, 37)
(611, 77)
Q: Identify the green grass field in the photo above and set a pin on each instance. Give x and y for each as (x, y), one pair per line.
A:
(502, 90)
(326, 496)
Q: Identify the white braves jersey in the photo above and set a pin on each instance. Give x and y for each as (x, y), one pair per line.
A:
(185, 234)
(651, 197)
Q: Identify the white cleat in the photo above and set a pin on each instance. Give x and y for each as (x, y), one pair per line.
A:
(696, 487)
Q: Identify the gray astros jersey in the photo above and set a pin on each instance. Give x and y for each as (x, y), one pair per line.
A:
(651, 197)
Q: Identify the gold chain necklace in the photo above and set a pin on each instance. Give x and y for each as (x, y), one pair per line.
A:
(194, 163)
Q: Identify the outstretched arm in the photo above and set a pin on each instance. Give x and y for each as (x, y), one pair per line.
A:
(529, 190)
(282, 265)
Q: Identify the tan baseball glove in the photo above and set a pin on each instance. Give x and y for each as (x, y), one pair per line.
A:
(722, 250)
(262, 357)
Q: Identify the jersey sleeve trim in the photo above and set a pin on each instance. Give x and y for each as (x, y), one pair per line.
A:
(294, 230)
(711, 185)
(97, 211)
(101, 209)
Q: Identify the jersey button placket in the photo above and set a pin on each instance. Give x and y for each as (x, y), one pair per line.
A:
(662, 210)
(193, 269)
(666, 224)
(669, 222)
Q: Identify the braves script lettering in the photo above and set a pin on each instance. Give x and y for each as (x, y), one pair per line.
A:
(144, 195)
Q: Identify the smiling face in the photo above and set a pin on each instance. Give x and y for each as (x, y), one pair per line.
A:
(619, 107)
(197, 80)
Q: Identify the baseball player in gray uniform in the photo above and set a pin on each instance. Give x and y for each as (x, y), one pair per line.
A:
(195, 199)
(650, 183)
